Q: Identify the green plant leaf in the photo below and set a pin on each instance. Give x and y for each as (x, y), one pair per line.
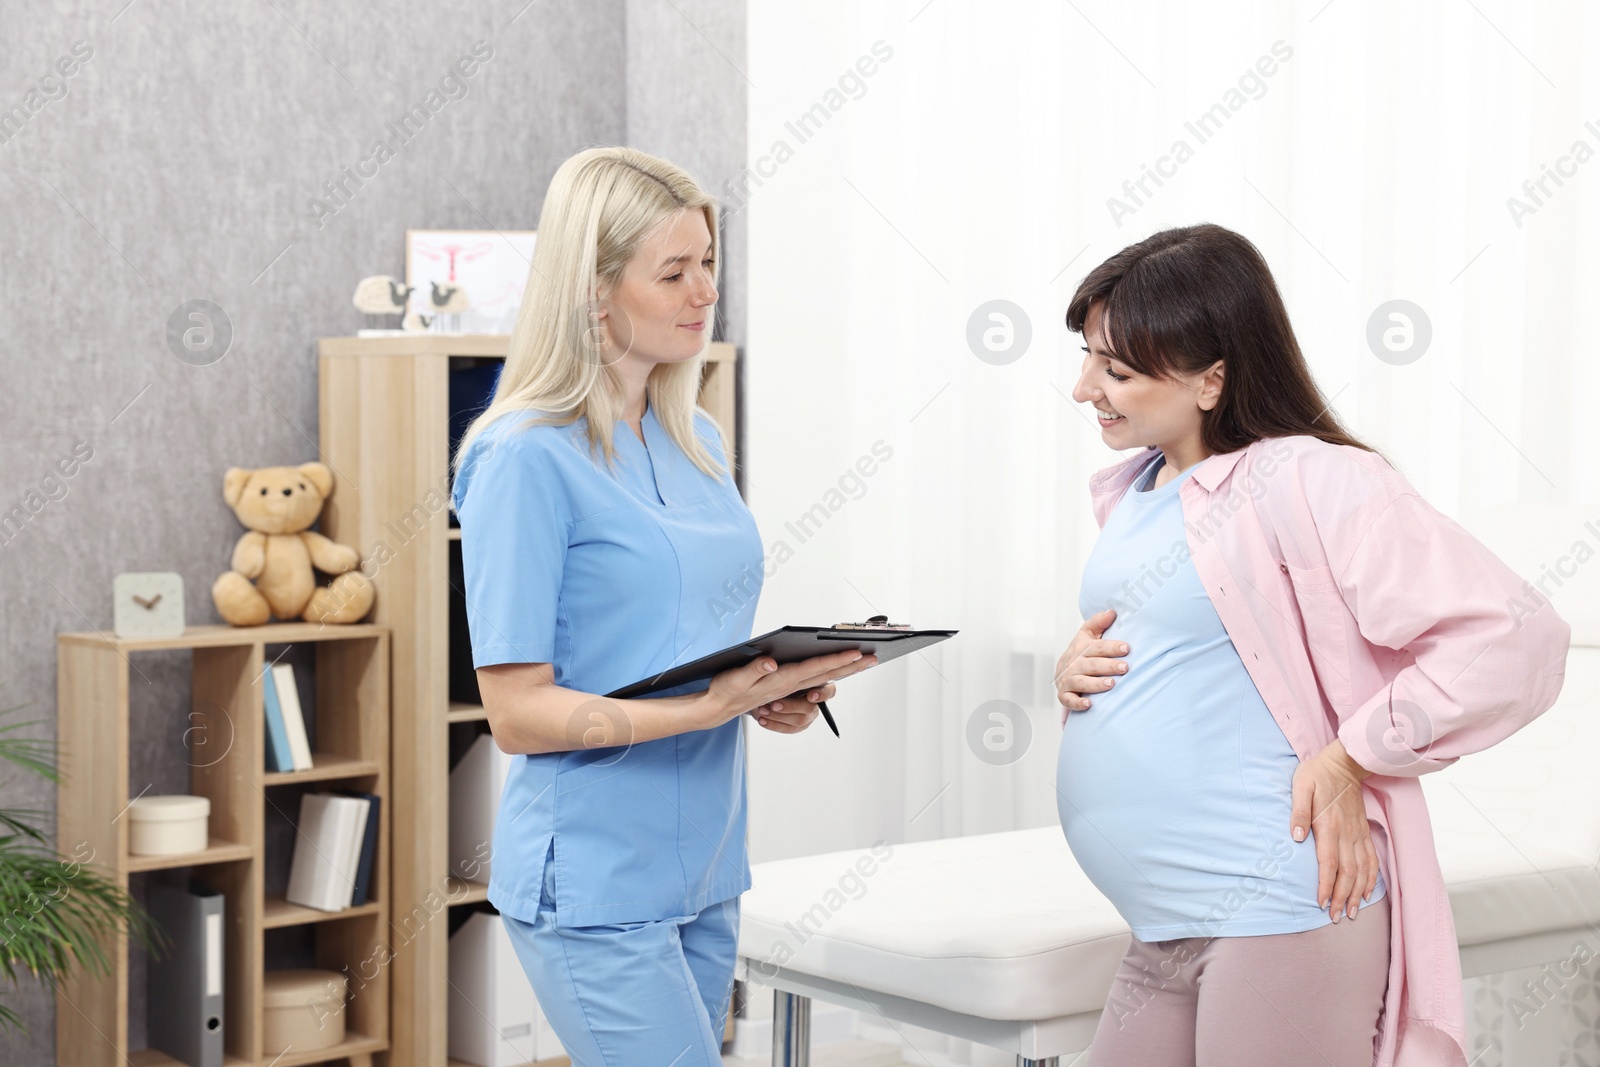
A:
(36, 754)
(55, 915)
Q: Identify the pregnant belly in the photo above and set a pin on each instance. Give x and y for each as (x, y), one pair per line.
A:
(1174, 817)
(1114, 795)
(1123, 754)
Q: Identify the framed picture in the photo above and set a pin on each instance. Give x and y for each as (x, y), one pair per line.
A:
(492, 265)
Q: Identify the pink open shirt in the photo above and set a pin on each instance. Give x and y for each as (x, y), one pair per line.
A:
(1361, 611)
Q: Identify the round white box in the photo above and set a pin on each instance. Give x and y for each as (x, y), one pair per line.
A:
(168, 825)
(302, 1010)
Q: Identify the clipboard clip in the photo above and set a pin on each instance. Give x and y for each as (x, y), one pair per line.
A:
(877, 622)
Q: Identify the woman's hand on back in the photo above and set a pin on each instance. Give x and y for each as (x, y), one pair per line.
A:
(1328, 804)
(1089, 664)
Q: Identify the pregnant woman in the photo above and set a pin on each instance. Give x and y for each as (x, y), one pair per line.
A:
(1280, 636)
(598, 520)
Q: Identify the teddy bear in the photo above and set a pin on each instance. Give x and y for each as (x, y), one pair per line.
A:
(272, 564)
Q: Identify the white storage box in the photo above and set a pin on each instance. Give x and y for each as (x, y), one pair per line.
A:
(475, 787)
(168, 825)
(495, 1019)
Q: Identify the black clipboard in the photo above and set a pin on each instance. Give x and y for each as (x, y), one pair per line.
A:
(790, 644)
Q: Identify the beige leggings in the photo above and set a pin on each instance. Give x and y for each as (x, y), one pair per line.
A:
(1309, 998)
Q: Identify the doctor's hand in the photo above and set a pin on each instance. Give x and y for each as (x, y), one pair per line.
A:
(1328, 804)
(762, 683)
(1086, 665)
(794, 712)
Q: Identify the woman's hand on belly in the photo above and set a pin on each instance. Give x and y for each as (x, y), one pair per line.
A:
(1328, 804)
(1087, 664)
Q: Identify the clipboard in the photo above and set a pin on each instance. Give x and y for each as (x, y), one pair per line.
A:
(791, 644)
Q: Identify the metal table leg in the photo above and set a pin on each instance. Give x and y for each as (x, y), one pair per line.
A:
(791, 1030)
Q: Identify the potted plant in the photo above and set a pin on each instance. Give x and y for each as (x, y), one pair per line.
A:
(55, 913)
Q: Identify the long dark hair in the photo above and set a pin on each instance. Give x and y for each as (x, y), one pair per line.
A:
(1182, 299)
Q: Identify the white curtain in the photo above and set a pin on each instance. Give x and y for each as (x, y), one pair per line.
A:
(1370, 152)
(911, 162)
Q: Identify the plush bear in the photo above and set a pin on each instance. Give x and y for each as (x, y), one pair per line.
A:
(272, 564)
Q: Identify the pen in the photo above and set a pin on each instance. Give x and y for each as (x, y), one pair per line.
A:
(827, 716)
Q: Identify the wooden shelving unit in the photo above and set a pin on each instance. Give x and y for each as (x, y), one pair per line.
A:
(352, 734)
(384, 413)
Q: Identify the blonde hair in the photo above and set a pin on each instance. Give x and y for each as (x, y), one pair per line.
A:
(603, 203)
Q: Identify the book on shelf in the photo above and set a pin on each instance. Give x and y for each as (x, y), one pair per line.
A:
(294, 720)
(352, 860)
(279, 756)
(369, 849)
(471, 389)
(462, 679)
(327, 850)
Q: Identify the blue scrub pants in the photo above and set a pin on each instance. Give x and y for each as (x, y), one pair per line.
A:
(641, 994)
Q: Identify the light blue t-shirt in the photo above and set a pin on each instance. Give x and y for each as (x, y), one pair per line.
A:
(611, 575)
(1174, 787)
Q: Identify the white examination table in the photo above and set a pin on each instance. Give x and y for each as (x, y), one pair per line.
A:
(1000, 939)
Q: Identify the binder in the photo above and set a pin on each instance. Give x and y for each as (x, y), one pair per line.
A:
(495, 1020)
(185, 1018)
(475, 787)
(279, 756)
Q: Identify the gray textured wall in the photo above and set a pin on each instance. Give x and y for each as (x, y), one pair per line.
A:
(686, 101)
(174, 164)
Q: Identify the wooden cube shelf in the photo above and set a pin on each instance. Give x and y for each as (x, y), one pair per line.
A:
(384, 413)
(352, 735)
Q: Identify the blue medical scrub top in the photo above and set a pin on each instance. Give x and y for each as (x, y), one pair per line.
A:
(611, 574)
